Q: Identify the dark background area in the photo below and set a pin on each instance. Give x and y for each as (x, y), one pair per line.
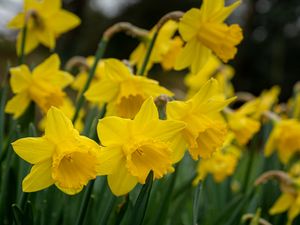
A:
(268, 55)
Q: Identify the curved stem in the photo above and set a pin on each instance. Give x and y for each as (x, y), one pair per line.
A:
(23, 41)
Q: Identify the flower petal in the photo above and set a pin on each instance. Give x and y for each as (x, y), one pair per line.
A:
(34, 150)
(113, 130)
(282, 204)
(52, 63)
(188, 26)
(121, 182)
(46, 37)
(20, 78)
(63, 21)
(148, 112)
(18, 104)
(39, 177)
(110, 158)
(31, 42)
(17, 22)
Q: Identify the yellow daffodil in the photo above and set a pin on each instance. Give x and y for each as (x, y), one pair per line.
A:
(204, 133)
(164, 50)
(68, 109)
(61, 157)
(82, 76)
(205, 32)
(135, 147)
(241, 124)
(43, 85)
(45, 21)
(221, 165)
(285, 139)
(289, 199)
(212, 68)
(123, 91)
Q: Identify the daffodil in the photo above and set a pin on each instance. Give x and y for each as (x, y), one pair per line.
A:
(163, 50)
(205, 32)
(204, 133)
(212, 68)
(241, 124)
(45, 21)
(68, 109)
(285, 139)
(44, 85)
(82, 76)
(61, 157)
(221, 165)
(123, 91)
(135, 147)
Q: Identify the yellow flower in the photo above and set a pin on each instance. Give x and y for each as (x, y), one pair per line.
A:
(204, 31)
(241, 124)
(163, 47)
(204, 133)
(135, 147)
(221, 165)
(212, 68)
(123, 91)
(46, 22)
(43, 86)
(61, 157)
(82, 76)
(68, 109)
(285, 139)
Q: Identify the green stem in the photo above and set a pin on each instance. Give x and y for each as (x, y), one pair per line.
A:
(99, 54)
(23, 41)
(196, 203)
(148, 54)
(85, 202)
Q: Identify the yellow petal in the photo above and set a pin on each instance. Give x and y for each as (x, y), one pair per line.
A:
(39, 177)
(52, 63)
(61, 79)
(34, 150)
(69, 191)
(31, 42)
(151, 87)
(110, 158)
(50, 7)
(58, 126)
(210, 7)
(46, 37)
(113, 130)
(17, 22)
(189, 24)
(116, 70)
(225, 12)
(102, 91)
(177, 109)
(20, 78)
(179, 146)
(121, 182)
(294, 211)
(282, 204)
(63, 21)
(18, 104)
(148, 112)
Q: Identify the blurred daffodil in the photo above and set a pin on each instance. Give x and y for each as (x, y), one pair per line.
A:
(123, 91)
(164, 51)
(43, 85)
(204, 133)
(205, 32)
(285, 139)
(45, 21)
(135, 147)
(61, 157)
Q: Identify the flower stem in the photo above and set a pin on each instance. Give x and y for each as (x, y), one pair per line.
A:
(85, 202)
(23, 41)
(99, 54)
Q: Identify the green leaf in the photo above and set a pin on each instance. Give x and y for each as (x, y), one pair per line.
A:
(140, 206)
(196, 202)
(17, 214)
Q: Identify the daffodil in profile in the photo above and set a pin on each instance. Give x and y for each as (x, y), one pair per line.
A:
(61, 157)
(164, 51)
(205, 132)
(123, 91)
(44, 85)
(285, 139)
(205, 32)
(135, 147)
(45, 21)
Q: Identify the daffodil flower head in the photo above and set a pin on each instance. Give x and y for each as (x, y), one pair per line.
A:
(163, 48)
(135, 147)
(61, 157)
(45, 21)
(205, 32)
(285, 138)
(44, 85)
(204, 133)
(123, 91)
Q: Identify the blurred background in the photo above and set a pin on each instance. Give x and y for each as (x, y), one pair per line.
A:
(268, 55)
